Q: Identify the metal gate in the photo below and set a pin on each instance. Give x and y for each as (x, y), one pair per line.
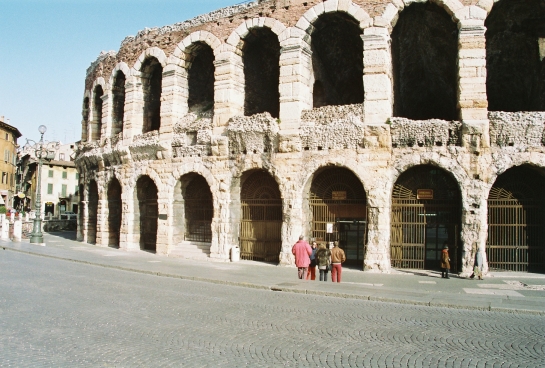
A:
(199, 211)
(261, 222)
(149, 213)
(339, 212)
(516, 224)
(425, 214)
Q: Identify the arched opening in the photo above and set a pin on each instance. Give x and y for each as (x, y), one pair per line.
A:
(515, 70)
(261, 57)
(97, 129)
(201, 78)
(148, 212)
(337, 60)
(152, 81)
(118, 110)
(424, 60)
(339, 211)
(261, 220)
(193, 210)
(85, 115)
(516, 221)
(115, 213)
(426, 213)
(92, 213)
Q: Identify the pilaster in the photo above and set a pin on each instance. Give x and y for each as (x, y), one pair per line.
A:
(228, 88)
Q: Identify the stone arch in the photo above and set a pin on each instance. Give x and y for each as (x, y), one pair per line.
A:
(193, 209)
(261, 217)
(516, 220)
(115, 211)
(198, 36)
(237, 36)
(454, 8)
(199, 63)
(425, 83)
(85, 114)
(154, 52)
(335, 29)
(146, 212)
(151, 75)
(336, 195)
(94, 129)
(425, 214)
(92, 210)
(515, 66)
(118, 92)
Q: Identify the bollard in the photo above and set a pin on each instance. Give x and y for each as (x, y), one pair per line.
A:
(17, 230)
(5, 229)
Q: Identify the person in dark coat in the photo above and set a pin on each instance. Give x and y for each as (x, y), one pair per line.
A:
(445, 262)
(323, 260)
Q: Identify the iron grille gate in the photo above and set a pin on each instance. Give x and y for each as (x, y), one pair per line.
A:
(260, 229)
(515, 232)
(326, 211)
(418, 230)
(199, 214)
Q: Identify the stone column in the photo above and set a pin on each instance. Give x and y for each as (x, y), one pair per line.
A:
(228, 89)
(134, 107)
(377, 254)
(106, 128)
(295, 83)
(293, 225)
(102, 223)
(472, 98)
(173, 99)
(164, 228)
(84, 218)
(377, 75)
(226, 221)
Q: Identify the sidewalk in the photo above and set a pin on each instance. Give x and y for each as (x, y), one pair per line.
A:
(501, 291)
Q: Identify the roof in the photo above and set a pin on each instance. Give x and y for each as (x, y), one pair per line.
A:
(12, 128)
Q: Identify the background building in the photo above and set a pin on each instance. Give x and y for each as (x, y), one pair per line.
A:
(59, 182)
(8, 145)
(392, 126)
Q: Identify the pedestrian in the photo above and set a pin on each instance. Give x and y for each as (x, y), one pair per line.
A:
(311, 274)
(337, 258)
(323, 261)
(302, 251)
(478, 266)
(445, 262)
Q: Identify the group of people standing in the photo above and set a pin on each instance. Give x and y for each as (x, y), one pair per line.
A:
(307, 258)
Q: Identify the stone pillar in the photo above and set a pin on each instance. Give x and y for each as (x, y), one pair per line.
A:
(223, 224)
(377, 75)
(541, 43)
(164, 228)
(173, 98)
(5, 229)
(293, 226)
(472, 99)
(228, 89)
(106, 128)
(102, 223)
(295, 83)
(134, 108)
(377, 253)
(130, 226)
(474, 231)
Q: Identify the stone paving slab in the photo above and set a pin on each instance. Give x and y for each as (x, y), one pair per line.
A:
(516, 292)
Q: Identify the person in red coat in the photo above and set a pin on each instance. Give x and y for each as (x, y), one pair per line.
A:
(302, 251)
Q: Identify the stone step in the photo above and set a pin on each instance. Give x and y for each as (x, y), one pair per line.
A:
(191, 250)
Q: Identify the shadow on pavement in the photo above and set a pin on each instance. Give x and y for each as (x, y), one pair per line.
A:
(69, 235)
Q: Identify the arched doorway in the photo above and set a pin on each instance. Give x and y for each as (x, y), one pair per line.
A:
(114, 213)
(261, 217)
(338, 204)
(92, 213)
(193, 210)
(146, 192)
(516, 221)
(426, 213)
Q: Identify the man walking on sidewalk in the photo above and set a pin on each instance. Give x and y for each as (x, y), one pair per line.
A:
(302, 251)
(337, 257)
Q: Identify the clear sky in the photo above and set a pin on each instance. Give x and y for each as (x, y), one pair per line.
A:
(47, 45)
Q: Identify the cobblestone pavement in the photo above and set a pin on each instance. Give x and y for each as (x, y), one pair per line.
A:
(64, 314)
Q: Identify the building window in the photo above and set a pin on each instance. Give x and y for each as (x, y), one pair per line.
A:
(61, 156)
(63, 191)
(7, 137)
(49, 188)
(6, 156)
(4, 177)
(11, 179)
(64, 175)
(50, 174)
(77, 176)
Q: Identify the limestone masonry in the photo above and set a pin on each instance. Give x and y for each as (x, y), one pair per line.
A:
(394, 127)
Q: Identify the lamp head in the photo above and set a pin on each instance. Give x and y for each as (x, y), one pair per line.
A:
(42, 129)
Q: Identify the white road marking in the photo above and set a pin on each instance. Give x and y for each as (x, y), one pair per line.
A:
(493, 292)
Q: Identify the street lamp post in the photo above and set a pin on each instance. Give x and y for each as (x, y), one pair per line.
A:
(44, 150)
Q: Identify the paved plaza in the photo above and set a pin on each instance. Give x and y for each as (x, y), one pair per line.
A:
(66, 313)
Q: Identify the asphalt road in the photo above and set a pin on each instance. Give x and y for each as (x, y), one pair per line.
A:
(55, 313)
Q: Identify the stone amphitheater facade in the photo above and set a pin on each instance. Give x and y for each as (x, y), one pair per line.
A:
(395, 125)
